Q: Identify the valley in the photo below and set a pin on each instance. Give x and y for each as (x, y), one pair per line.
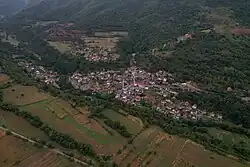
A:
(125, 83)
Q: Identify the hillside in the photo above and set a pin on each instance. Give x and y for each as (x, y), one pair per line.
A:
(9, 7)
(150, 22)
(131, 82)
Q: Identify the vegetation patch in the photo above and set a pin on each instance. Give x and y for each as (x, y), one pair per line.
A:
(20, 125)
(132, 124)
(61, 47)
(199, 157)
(7, 38)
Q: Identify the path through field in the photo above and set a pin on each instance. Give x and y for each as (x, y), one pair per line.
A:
(54, 150)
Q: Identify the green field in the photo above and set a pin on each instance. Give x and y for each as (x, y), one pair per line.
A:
(21, 126)
(229, 138)
(61, 47)
(23, 95)
(133, 125)
(105, 143)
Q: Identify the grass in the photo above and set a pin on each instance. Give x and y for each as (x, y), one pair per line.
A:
(20, 125)
(133, 125)
(61, 47)
(23, 95)
(100, 138)
(70, 126)
(199, 157)
(228, 137)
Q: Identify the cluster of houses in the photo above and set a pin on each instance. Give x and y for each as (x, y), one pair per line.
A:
(93, 48)
(39, 72)
(134, 85)
(100, 54)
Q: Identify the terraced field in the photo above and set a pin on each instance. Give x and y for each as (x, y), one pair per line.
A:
(60, 115)
(148, 147)
(153, 148)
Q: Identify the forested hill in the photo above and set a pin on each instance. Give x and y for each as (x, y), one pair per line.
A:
(8, 7)
(150, 22)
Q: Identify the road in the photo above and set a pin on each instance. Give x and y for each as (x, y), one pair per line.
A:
(54, 150)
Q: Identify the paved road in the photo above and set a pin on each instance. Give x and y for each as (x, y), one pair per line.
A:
(54, 150)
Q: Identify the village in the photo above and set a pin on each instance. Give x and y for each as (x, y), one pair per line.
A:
(132, 86)
(98, 46)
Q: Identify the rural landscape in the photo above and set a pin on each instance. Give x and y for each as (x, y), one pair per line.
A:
(124, 84)
(147, 146)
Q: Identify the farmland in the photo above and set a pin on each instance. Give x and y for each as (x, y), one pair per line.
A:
(18, 153)
(148, 146)
(90, 132)
(22, 95)
(133, 124)
(155, 148)
(59, 114)
(107, 43)
(20, 125)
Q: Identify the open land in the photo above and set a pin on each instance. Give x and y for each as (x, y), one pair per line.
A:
(155, 148)
(62, 116)
(9, 39)
(18, 153)
(98, 46)
(61, 47)
(22, 95)
(3, 79)
(133, 125)
(149, 147)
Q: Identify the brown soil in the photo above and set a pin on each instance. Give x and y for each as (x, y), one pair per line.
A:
(2, 133)
(81, 119)
(95, 126)
(3, 78)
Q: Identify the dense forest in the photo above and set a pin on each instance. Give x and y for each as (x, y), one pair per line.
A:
(148, 22)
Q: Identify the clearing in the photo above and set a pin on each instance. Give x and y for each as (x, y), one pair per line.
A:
(98, 42)
(9, 39)
(61, 47)
(4, 78)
